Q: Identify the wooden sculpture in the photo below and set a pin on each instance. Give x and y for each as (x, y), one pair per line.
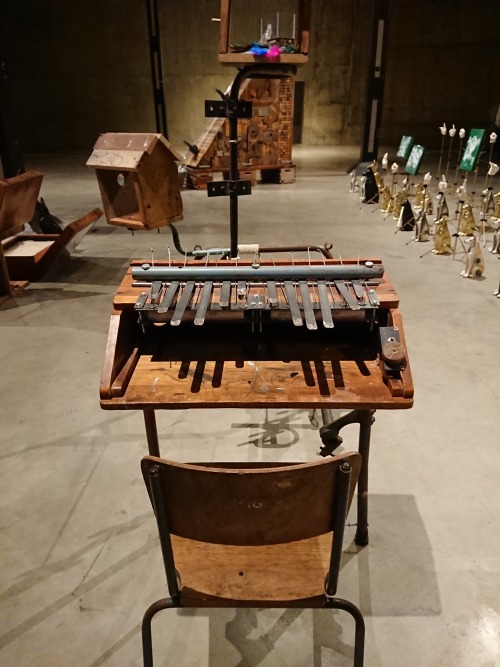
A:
(264, 140)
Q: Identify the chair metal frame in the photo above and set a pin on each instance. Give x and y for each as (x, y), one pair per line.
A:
(152, 471)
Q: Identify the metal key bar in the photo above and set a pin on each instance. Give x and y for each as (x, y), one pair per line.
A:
(166, 302)
(225, 294)
(359, 291)
(372, 297)
(324, 303)
(155, 291)
(203, 303)
(307, 305)
(293, 303)
(141, 301)
(347, 296)
(182, 303)
(272, 294)
(241, 289)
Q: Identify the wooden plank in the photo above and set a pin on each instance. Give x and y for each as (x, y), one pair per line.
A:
(18, 197)
(225, 13)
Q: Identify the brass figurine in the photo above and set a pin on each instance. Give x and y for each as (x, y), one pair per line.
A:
(386, 199)
(442, 238)
(467, 224)
(397, 204)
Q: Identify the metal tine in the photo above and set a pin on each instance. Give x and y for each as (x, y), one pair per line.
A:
(152, 257)
(155, 291)
(324, 303)
(372, 296)
(272, 293)
(293, 303)
(168, 297)
(141, 301)
(315, 303)
(272, 290)
(241, 289)
(225, 294)
(203, 303)
(182, 303)
(169, 257)
(307, 305)
(346, 295)
(359, 291)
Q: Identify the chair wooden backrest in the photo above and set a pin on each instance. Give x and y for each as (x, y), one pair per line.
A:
(250, 505)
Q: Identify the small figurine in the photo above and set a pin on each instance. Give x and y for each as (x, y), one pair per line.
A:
(370, 193)
(406, 221)
(379, 179)
(398, 203)
(386, 199)
(495, 247)
(354, 181)
(441, 206)
(474, 262)
(467, 225)
(442, 238)
(421, 227)
(406, 187)
(419, 195)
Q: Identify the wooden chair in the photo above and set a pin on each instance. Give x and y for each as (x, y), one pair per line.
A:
(252, 535)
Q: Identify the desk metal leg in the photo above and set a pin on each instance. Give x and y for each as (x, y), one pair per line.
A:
(331, 440)
(151, 432)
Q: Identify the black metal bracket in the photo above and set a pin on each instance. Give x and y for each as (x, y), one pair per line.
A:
(229, 188)
(228, 109)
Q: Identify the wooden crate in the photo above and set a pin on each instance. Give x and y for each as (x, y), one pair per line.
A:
(228, 57)
(197, 179)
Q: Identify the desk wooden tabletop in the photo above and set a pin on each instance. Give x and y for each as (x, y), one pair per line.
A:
(224, 365)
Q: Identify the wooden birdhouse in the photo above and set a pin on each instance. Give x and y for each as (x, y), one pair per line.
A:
(138, 179)
(282, 36)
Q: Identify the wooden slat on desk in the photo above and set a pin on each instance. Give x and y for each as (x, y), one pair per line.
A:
(164, 385)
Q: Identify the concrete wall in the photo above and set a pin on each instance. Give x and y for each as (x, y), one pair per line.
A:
(80, 68)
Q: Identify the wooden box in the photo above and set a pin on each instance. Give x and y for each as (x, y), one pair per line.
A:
(227, 55)
(138, 179)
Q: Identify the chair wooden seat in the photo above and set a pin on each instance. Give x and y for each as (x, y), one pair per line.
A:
(255, 574)
(252, 535)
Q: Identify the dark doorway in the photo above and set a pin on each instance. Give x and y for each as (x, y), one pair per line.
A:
(298, 111)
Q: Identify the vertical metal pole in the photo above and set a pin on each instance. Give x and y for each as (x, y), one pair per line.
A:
(375, 83)
(156, 67)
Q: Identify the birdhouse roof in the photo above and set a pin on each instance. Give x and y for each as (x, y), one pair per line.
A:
(124, 150)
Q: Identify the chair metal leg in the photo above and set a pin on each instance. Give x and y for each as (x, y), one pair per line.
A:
(359, 635)
(147, 644)
(151, 432)
(331, 438)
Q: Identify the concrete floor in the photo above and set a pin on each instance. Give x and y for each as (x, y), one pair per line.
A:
(80, 556)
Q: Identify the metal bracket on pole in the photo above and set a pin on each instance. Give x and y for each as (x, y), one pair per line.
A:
(229, 188)
(228, 109)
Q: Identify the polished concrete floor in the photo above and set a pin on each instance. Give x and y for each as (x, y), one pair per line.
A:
(80, 559)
